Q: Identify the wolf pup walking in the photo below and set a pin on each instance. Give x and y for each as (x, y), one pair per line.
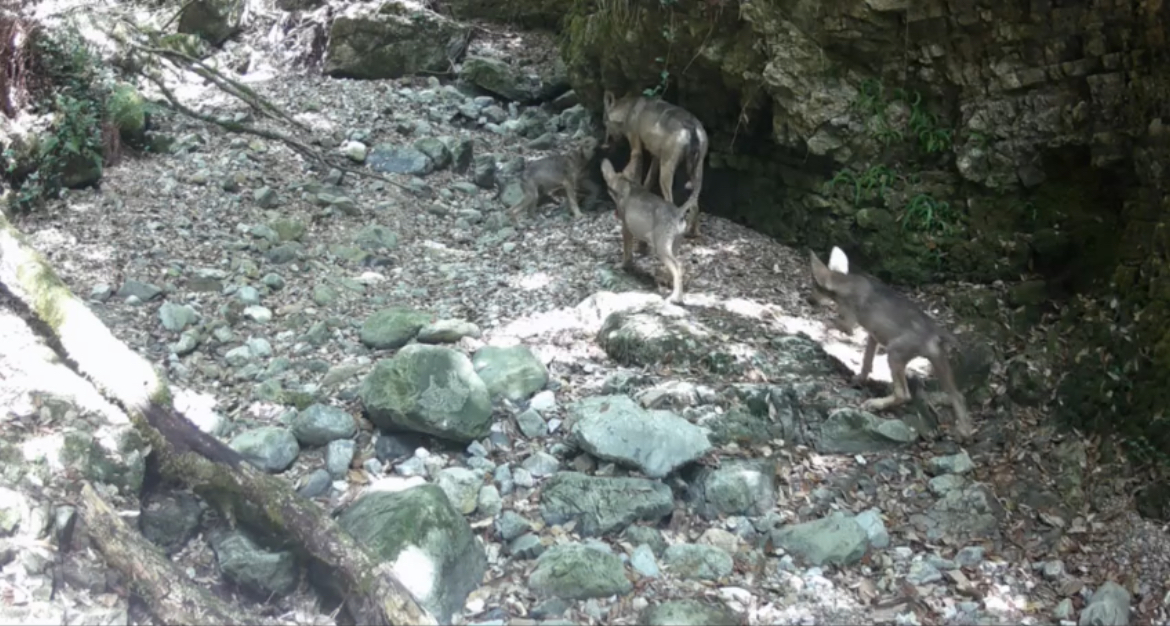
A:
(646, 217)
(559, 171)
(671, 134)
(892, 320)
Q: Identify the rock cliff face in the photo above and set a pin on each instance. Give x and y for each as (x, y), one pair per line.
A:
(935, 139)
(978, 131)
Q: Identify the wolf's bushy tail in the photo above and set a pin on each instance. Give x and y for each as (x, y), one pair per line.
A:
(696, 154)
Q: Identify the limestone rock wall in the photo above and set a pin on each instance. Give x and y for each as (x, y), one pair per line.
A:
(965, 139)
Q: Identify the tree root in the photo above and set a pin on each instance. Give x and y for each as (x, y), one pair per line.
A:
(171, 595)
(372, 594)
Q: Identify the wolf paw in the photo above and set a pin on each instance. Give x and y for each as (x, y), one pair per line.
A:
(877, 404)
(964, 431)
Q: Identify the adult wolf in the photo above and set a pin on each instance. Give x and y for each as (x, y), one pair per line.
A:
(671, 134)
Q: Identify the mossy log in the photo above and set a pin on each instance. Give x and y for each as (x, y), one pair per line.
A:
(372, 594)
(171, 595)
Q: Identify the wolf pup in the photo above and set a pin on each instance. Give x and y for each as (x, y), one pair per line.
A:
(551, 173)
(892, 320)
(646, 217)
(671, 134)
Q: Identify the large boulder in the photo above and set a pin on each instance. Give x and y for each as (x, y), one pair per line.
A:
(214, 21)
(428, 543)
(578, 572)
(498, 77)
(392, 328)
(512, 372)
(603, 505)
(615, 428)
(391, 41)
(527, 13)
(428, 389)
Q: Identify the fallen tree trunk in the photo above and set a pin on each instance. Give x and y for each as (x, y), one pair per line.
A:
(372, 594)
(171, 595)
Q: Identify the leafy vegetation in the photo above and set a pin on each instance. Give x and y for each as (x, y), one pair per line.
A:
(669, 35)
(878, 178)
(893, 184)
(69, 90)
(607, 23)
(922, 213)
(926, 214)
(873, 102)
(126, 109)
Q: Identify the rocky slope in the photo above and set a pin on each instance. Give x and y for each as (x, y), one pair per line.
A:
(556, 442)
(979, 141)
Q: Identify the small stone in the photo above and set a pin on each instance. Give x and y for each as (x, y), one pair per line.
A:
(526, 546)
(511, 525)
(543, 401)
(259, 314)
(461, 486)
(176, 317)
(490, 501)
(315, 484)
(531, 424)
(643, 561)
(101, 292)
(541, 464)
(355, 151)
(265, 197)
(970, 556)
(522, 478)
(338, 457)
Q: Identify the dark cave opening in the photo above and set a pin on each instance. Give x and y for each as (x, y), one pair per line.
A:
(1076, 220)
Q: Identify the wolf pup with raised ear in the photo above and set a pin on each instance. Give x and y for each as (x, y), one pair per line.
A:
(649, 218)
(544, 176)
(894, 321)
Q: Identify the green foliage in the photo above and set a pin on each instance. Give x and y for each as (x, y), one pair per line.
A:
(923, 217)
(1026, 209)
(126, 109)
(926, 214)
(76, 131)
(606, 22)
(878, 177)
(663, 82)
(70, 91)
(669, 35)
(888, 136)
(872, 102)
(609, 24)
(871, 98)
(908, 217)
(924, 125)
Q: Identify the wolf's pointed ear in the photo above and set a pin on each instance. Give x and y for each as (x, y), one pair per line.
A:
(838, 262)
(608, 99)
(821, 274)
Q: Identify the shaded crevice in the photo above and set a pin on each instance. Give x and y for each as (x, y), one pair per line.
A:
(1077, 220)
